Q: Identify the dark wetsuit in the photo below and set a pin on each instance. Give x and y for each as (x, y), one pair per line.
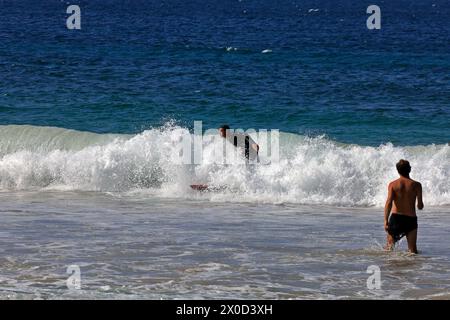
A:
(249, 152)
(400, 225)
(246, 147)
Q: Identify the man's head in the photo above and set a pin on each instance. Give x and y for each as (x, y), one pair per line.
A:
(403, 168)
(223, 130)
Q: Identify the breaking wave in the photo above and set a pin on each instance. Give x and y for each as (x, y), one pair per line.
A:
(310, 170)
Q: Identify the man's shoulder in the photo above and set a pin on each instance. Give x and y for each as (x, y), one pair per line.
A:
(240, 135)
(416, 184)
(235, 134)
(394, 182)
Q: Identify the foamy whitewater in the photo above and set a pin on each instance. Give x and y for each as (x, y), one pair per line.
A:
(119, 207)
(310, 170)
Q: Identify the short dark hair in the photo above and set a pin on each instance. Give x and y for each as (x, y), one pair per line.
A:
(225, 126)
(403, 167)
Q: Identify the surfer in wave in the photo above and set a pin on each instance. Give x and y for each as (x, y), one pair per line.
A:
(242, 141)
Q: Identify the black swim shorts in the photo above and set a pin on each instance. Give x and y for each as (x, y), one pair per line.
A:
(400, 225)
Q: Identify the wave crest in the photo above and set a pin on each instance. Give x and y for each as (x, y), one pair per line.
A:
(310, 170)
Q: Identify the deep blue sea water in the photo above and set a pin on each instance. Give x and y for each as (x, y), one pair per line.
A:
(139, 64)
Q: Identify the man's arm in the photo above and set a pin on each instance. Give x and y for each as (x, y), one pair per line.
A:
(388, 206)
(250, 142)
(419, 196)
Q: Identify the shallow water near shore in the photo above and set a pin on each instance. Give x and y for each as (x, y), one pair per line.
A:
(130, 246)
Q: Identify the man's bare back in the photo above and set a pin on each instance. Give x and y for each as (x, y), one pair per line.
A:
(404, 192)
(400, 210)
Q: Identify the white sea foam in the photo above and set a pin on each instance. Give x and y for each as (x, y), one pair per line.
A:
(310, 170)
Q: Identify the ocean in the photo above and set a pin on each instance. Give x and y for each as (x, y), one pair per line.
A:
(90, 120)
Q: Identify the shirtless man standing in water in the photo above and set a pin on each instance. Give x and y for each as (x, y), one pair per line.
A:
(402, 195)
